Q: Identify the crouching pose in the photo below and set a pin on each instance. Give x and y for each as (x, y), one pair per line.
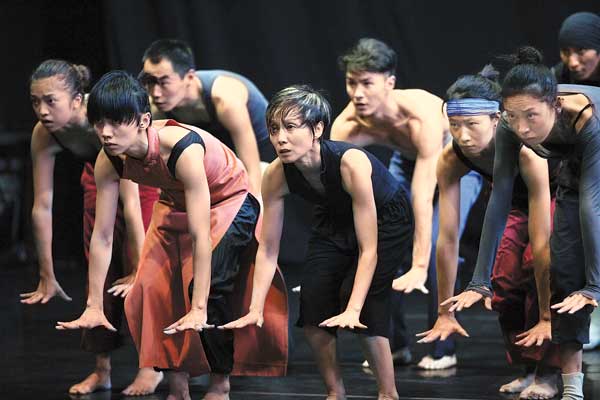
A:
(191, 274)
(364, 228)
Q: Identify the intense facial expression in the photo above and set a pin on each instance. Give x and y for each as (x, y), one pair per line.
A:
(54, 105)
(291, 138)
(529, 117)
(584, 64)
(164, 85)
(368, 90)
(473, 133)
(120, 138)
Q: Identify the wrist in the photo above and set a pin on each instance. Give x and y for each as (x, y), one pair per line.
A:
(94, 305)
(354, 308)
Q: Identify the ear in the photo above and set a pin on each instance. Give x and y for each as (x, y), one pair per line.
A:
(190, 75)
(77, 100)
(390, 82)
(145, 120)
(318, 131)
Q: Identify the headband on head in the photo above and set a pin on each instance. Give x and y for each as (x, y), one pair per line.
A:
(472, 107)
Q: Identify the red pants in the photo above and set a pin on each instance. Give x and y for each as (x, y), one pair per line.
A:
(101, 340)
(515, 293)
(160, 297)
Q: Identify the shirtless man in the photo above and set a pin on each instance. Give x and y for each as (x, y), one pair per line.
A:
(412, 123)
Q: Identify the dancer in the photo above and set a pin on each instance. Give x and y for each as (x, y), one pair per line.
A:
(201, 226)
(57, 97)
(409, 121)
(556, 122)
(522, 263)
(364, 226)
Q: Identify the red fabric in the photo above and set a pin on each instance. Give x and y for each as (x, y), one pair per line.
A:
(515, 294)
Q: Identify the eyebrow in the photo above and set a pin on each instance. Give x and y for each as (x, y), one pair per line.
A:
(525, 110)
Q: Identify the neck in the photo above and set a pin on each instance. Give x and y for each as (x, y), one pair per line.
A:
(193, 93)
(139, 148)
(311, 161)
(388, 112)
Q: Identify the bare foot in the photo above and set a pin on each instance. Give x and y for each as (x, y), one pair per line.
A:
(97, 380)
(145, 383)
(518, 385)
(178, 386)
(218, 388)
(541, 388)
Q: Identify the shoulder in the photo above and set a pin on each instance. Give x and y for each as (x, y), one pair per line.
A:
(274, 183)
(41, 139)
(449, 166)
(170, 135)
(355, 159)
(346, 120)
(229, 89)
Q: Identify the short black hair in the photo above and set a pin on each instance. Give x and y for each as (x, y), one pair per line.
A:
(311, 106)
(176, 51)
(117, 97)
(370, 55)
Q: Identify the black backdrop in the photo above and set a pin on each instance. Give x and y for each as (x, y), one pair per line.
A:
(275, 43)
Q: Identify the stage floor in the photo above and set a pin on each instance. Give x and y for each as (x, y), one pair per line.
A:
(38, 362)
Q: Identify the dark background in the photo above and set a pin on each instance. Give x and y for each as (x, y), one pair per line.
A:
(274, 43)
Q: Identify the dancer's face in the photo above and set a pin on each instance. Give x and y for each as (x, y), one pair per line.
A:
(118, 138)
(473, 133)
(291, 138)
(164, 85)
(530, 118)
(53, 103)
(368, 91)
(584, 64)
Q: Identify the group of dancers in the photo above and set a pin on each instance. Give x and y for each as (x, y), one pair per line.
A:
(183, 221)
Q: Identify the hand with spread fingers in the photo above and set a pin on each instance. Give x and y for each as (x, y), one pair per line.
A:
(122, 287)
(252, 318)
(574, 303)
(465, 300)
(195, 319)
(46, 290)
(348, 319)
(91, 318)
(445, 326)
(536, 335)
(414, 279)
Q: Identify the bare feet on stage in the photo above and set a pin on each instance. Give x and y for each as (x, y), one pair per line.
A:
(97, 380)
(518, 385)
(543, 387)
(178, 386)
(218, 388)
(145, 383)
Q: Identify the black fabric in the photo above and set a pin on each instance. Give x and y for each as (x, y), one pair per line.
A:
(182, 144)
(331, 267)
(580, 31)
(218, 343)
(468, 163)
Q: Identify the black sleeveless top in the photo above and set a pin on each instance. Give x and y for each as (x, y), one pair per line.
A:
(336, 202)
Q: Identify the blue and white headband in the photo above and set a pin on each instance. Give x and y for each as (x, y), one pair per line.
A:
(471, 107)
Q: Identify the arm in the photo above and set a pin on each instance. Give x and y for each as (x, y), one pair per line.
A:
(107, 200)
(190, 171)
(274, 189)
(534, 171)
(449, 172)
(505, 165)
(231, 98)
(43, 153)
(356, 179)
(423, 190)
(134, 225)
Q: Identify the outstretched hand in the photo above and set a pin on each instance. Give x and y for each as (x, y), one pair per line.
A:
(122, 287)
(574, 303)
(414, 279)
(91, 318)
(347, 319)
(195, 319)
(252, 318)
(445, 326)
(465, 300)
(536, 335)
(47, 289)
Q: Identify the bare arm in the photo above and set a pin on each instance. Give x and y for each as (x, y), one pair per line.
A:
(43, 152)
(274, 188)
(107, 200)
(190, 171)
(356, 179)
(231, 98)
